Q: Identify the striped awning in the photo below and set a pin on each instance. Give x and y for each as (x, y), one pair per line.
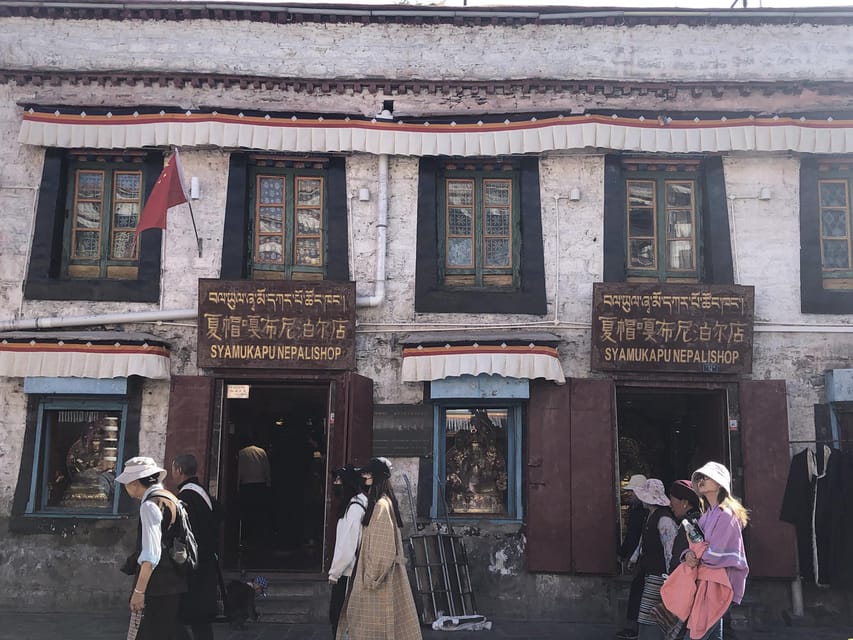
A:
(342, 134)
(425, 363)
(93, 354)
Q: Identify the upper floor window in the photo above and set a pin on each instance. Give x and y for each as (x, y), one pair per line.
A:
(105, 201)
(666, 219)
(826, 229)
(663, 226)
(288, 213)
(479, 217)
(835, 233)
(479, 230)
(84, 244)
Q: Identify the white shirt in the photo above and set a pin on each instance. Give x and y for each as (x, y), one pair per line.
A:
(348, 538)
(151, 518)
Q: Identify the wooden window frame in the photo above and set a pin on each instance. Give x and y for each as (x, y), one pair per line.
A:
(106, 265)
(822, 291)
(477, 275)
(25, 518)
(287, 268)
(715, 262)
(832, 276)
(47, 277)
(37, 503)
(661, 272)
(432, 295)
(515, 510)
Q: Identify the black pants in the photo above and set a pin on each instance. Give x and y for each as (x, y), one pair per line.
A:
(336, 603)
(161, 618)
(203, 631)
(635, 595)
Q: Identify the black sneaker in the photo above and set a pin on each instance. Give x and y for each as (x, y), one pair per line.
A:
(628, 634)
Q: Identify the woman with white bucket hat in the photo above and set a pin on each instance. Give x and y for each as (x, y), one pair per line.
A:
(158, 580)
(722, 523)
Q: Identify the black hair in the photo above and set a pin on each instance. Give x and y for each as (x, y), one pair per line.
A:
(150, 481)
(381, 487)
(187, 463)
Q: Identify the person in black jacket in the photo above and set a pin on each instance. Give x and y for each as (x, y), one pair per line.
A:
(684, 503)
(198, 605)
(636, 518)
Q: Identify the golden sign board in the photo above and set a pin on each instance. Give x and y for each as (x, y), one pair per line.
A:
(276, 324)
(672, 327)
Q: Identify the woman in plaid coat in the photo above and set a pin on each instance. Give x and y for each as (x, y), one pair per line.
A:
(380, 605)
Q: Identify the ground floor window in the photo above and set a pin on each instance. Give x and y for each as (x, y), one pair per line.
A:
(477, 456)
(78, 444)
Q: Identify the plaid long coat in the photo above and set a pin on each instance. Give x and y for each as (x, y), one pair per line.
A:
(380, 605)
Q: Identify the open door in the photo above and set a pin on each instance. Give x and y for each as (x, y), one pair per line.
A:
(188, 427)
(350, 439)
(764, 432)
(571, 509)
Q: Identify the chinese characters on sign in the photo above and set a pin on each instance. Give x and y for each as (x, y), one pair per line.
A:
(277, 325)
(672, 327)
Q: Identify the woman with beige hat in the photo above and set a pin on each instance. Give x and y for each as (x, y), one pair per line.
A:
(655, 553)
(158, 580)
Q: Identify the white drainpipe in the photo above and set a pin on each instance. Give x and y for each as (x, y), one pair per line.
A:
(108, 318)
(381, 239)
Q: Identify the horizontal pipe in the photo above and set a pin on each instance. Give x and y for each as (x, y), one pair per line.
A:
(51, 322)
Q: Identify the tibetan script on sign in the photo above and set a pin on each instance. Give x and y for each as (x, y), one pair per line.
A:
(282, 324)
(672, 327)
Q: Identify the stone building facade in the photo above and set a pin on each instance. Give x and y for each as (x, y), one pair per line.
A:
(487, 179)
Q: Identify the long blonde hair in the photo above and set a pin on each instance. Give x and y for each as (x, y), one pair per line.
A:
(726, 501)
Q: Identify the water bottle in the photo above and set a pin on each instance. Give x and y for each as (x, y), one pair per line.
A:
(694, 533)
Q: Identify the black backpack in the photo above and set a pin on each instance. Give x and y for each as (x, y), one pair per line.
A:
(179, 541)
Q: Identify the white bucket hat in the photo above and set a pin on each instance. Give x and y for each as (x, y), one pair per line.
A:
(140, 467)
(717, 472)
(652, 492)
(635, 482)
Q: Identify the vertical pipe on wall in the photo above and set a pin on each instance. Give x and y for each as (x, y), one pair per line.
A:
(381, 239)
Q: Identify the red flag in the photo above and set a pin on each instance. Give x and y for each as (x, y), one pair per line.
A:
(168, 192)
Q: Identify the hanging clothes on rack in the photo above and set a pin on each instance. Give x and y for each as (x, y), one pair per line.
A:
(818, 501)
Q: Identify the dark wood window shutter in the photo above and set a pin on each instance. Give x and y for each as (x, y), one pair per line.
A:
(549, 496)
(593, 479)
(764, 438)
(359, 419)
(571, 496)
(188, 429)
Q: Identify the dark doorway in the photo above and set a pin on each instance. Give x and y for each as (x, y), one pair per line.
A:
(275, 517)
(667, 434)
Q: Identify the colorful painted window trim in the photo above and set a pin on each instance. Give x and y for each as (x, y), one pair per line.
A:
(105, 201)
(288, 218)
(480, 238)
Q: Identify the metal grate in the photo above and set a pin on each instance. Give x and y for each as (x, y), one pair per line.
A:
(442, 580)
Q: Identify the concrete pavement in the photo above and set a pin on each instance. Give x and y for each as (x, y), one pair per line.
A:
(112, 625)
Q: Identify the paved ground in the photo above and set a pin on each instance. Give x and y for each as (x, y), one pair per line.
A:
(113, 626)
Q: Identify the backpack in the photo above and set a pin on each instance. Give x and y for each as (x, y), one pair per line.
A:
(179, 541)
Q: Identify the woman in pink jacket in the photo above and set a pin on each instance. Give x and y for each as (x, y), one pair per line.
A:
(721, 523)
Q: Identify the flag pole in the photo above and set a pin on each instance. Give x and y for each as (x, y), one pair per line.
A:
(195, 230)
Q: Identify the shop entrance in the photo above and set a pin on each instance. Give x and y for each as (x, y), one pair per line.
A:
(667, 433)
(274, 472)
